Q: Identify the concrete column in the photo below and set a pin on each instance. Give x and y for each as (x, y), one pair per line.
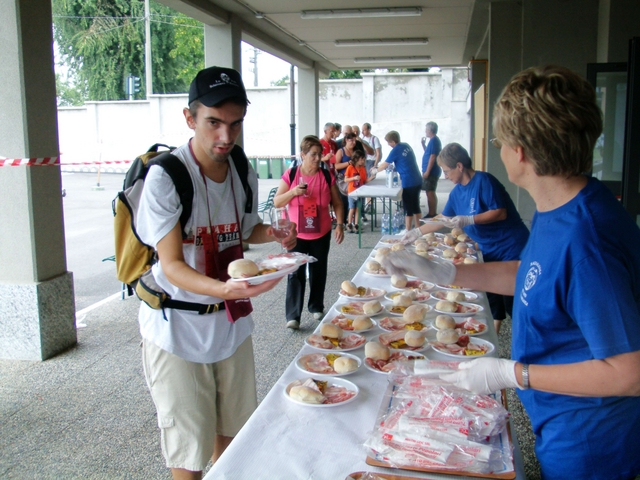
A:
(222, 48)
(37, 316)
(308, 102)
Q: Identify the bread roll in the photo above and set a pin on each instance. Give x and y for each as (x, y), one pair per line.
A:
(414, 313)
(463, 238)
(330, 330)
(456, 232)
(410, 292)
(424, 255)
(402, 300)
(448, 336)
(422, 247)
(461, 247)
(345, 365)
(379, 257)
(414, 338)
(399, 281)
(373, 266)
(377, 351)
(362, 323)
(397, 247)
(456, 297)
(449, 253)
(449, 240)
(242, 268)
(372, 307)
(305, 394)
(470, 260)
(430, 237)
(445, 306)
(349, 288)
(445, 321)
(383, 251)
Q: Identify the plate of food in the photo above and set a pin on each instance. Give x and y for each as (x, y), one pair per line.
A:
(438, 219)
(373, 267)
(416, 295)
(350, 291)
(455, 296)
(356, 309)
(391, 240)
(312, 392)
(359, 324)
(457, 309)
(330, 364)
(393, 324)
(245, 270)
(380, 358)
(332, 337)
(455, 288)
(467, 326)
(460, 346)
(413, 282)
(413, 340)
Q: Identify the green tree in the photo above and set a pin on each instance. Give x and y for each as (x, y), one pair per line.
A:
(284, 81)
(340, 74)
(70, 94)
(102, 42)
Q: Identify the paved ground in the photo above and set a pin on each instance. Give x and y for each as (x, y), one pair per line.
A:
(86, 414)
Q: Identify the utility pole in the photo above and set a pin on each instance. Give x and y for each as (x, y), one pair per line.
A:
(292, 98)
(147, 49)
(254, 60)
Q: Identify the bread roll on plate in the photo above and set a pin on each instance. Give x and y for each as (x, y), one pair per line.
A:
(377, 351)
(330, 330)
(449, 253)
(305, 394)
(448, 336)
(398, 281)
(414, 313)
(345, 365)
(403, 300)
(446, 306)
(461, 247)
(397, 247)
(242, 268)
(445, 321)
(456, 297)
(362, 323)
(349, 288)
(414, 338)
(457, 231)
(372, 307)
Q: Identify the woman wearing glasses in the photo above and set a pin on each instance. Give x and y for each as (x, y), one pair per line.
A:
(480, 205)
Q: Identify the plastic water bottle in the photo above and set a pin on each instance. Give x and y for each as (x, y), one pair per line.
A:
(385, 224)
(396, 178)
(390, 170)
(396, 224)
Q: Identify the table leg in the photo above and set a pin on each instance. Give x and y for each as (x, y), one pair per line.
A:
(360, 223)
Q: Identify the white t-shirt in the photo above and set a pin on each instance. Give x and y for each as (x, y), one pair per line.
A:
(373, 141)
(196, 338)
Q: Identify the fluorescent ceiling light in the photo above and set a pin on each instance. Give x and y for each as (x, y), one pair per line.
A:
(363, 13)
(385, 60)
(380, 42)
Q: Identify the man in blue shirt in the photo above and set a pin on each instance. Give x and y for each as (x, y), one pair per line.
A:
(404, 159)
(430, 169)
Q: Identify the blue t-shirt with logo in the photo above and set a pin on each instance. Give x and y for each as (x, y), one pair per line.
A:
(499, 241)
(434, 148)
(405, 161)
(577, 298)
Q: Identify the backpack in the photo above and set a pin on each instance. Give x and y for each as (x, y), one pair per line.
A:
(133, 257)
(294, 169)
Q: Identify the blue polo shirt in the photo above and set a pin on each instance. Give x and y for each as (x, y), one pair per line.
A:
(404, 159)
(433, 148)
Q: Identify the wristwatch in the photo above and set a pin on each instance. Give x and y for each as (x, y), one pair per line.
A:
(340, 225)
(525, 377)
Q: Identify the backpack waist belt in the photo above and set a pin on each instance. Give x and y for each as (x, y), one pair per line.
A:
(201, 308)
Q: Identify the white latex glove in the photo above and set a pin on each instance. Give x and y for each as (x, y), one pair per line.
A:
(408, 263)
(411, 236)
(460, 221)
(484, 375)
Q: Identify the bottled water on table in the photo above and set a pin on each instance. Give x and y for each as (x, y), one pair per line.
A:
(396, 178)
(390, 172)
(396, 224)
(385, 224)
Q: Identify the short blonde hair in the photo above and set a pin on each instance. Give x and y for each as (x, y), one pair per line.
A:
(392, 136)
(551, 112)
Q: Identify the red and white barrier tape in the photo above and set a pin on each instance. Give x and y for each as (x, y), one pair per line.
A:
(51, 161)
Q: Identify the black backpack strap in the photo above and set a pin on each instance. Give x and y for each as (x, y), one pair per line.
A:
(292, 173)
(242, 167)
(182, 180)
(294, 169)
(327, 177)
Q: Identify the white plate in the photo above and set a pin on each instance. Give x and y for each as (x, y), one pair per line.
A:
(421, 349)
(376, 274)
(338, 349)
(393, 350)
(442, 295)
(481, 320)
(424, 322)
(268, 276)
(452, 288)
(478, 341)
(334, 374)
(376, 292)
(339, 382)
(354, 315)
(416, 283)
(387, 309)
(478, 309)
(390, 296)
(386, 241)
(374, 325)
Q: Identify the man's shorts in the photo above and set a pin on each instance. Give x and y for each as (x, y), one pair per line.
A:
(411, 200)
(196, 401)
(430, 183)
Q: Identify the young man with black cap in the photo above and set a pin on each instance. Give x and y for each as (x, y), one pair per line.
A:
(199, 367)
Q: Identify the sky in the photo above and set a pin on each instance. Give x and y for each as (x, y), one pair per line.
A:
(270, 68)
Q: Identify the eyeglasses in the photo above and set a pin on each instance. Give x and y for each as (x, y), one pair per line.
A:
(496, 143)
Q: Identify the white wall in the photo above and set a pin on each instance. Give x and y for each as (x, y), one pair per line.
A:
(109, 131)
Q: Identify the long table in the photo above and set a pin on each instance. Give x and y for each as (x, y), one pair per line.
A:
(285, 440)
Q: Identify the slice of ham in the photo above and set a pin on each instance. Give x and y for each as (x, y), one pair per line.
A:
(387, 365)
(343, 322)
(470, 326)
(388, 338)
(316, 363)
(352, 341)
(346, 343)
(336, 394)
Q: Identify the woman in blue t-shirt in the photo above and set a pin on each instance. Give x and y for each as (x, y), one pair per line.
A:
(576, 314)
(480, 205)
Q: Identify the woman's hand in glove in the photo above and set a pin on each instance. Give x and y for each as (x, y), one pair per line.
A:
(411, 236)
(408, 263)
(484, 375)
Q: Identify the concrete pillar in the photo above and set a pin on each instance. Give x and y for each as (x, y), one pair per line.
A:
(223, 48)
(308, 102)
(37, 315)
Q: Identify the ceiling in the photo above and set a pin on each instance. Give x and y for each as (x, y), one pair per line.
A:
(455, 30)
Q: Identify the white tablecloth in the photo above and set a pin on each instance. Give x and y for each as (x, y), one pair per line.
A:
(284, 440)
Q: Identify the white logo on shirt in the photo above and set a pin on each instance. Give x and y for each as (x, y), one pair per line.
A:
(472, 206)
(535, 270)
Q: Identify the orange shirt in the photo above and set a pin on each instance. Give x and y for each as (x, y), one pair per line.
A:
(352, 172)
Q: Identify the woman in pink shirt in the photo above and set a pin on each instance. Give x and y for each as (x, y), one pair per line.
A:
(308, 190)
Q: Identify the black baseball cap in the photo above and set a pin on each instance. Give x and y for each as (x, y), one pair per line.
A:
(214, 85)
